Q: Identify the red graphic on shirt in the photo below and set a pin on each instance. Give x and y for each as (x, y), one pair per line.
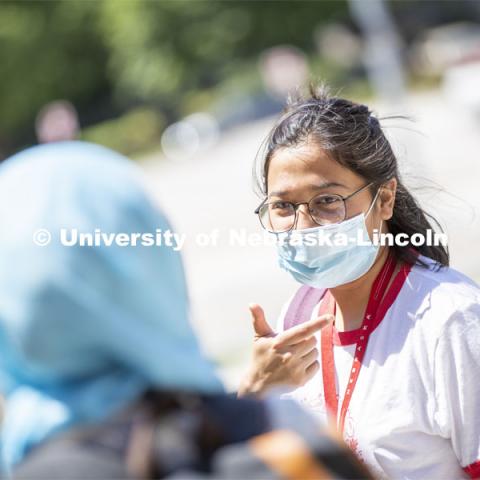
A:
(350, 438)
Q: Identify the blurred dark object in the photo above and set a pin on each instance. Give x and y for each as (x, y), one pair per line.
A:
(190, 436)
(413, 17)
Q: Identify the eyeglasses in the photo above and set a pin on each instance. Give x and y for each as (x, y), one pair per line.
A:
(324, 209)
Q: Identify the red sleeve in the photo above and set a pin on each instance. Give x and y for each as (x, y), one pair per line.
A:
(473, 470)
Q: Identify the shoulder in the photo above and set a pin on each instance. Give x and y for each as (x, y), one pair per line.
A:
(247, 416)
(300, 307)
(443, 298)
(445, 279)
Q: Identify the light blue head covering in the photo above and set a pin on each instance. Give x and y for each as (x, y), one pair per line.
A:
(85, 330)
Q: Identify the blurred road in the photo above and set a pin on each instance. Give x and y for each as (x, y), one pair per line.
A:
(214, 191)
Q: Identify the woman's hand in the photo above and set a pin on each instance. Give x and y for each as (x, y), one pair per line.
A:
(288, 358)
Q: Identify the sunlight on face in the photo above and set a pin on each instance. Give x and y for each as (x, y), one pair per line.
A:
(297, 174)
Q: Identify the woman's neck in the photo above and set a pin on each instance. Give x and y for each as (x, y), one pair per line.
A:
(351, 299)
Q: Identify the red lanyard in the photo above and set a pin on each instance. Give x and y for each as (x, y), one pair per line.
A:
(328, 362)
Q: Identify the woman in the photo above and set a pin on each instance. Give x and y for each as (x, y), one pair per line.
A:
(382, 340)
(102, 373)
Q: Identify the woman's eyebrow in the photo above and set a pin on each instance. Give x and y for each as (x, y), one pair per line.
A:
(281, 193)
(328, 185)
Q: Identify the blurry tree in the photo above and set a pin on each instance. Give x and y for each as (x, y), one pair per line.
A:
(119, 54)
(48, 50)
(159, 50)
(135, 131)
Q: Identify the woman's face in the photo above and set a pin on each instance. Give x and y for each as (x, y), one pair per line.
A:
(297, 174)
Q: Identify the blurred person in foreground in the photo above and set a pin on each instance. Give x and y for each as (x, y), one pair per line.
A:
(101, 370)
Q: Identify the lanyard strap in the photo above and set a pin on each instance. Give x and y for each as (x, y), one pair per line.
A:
(328, 363)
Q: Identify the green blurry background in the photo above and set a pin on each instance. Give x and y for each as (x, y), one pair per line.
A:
(132, 67)
(141, 63)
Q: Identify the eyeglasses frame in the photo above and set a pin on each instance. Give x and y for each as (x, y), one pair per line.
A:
(296, 205)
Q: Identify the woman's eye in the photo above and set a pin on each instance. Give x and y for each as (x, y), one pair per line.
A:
(280, 206)
(326, 200)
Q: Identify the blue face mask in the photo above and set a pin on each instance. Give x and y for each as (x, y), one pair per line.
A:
(329, 255)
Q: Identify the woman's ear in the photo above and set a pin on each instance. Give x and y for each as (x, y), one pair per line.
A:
(387, 198)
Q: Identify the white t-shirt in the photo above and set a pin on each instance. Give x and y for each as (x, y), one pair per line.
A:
(415, 410)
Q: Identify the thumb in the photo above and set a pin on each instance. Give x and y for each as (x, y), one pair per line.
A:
(260, 325)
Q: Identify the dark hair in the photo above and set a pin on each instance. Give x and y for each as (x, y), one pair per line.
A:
(353, 137)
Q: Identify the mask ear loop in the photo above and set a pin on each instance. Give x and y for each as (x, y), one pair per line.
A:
(373, 202)
(371, 207)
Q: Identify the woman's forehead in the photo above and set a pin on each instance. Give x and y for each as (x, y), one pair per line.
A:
(307, 165)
